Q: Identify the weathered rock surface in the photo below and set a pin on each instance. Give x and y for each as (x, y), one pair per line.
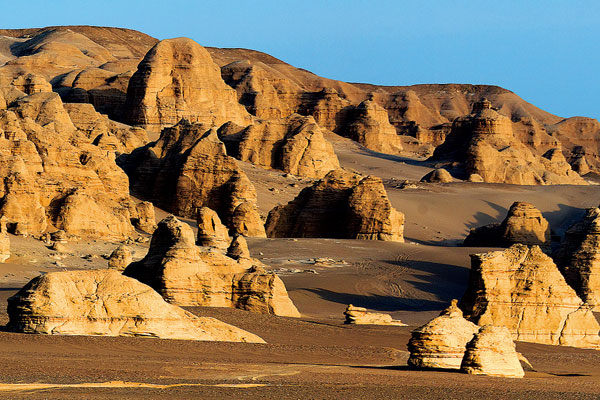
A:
(360, 316)
(521, 288)
(120, 258)
(441, 343)
(523, 224)
(178, 79)
(368, 123)
(342, 205)
(492, 352)
(579, 257)
(485, 143)
(439, 175)
(188, 275)
(238, 249)
(104, 302)
(211, 232)
(4, 241)
(295, 145)
(188, 168)
(143, 217)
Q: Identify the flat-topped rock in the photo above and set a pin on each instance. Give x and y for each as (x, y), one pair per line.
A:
(360, 316)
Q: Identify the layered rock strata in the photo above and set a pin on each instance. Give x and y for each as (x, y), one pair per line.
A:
(441, 343)
(521, 288)
(342, 205)
(188, 275)
(579, 257)
(360, 316)
(524, 224)
(120, 258)
(106, 303)
(492, 352)
(188, 168)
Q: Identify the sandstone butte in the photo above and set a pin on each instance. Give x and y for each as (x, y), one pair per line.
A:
(523, 224)
(492, 352)
(188, 168)
(522, 289)
(441, 343)
(120, 258)
(188, 275)
(295, 144)
(360, 316)
(104, 302)
(439, 175)
(579, 257)
(178, 79)
(486, 145)
(342, 205)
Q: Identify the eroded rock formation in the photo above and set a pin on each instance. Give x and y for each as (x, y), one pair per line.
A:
(104, 302)
(178, 79)
(188, 168)
(579, 257)
(120, 258)
(360, 316)
(492, 352)
(295, 145)
(521, 288)
(342, 205)
(438, 175)
(188, 275)
(523, 224)
(441, 343)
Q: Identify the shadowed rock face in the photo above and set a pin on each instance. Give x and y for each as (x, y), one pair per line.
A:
(579, 257)
(295, 145)
(523, 224)
(492, 352)
(188, 168)
(188, 275)
(104, 302)
(521, 288)
(342, 205)
(441, 343)
(485, 144)
(178, 79)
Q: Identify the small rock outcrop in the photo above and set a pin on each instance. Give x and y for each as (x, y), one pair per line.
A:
(521, 288)
(342, 205)
(492, 352)
(211, 232)
(104, 302)
(294, 144)
(178, 79)
(360, 316)
(439, 175)
(523, 224)
(238, 249)
(188, 275)
(579, 257)
(4, 241)
(120, 258)
(188, 168)
(441, 343)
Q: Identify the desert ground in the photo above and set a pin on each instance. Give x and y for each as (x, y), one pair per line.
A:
(315, 356)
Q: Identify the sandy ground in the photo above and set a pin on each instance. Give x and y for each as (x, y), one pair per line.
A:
(316, 356)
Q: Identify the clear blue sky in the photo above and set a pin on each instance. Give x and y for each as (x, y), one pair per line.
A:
(548, 52)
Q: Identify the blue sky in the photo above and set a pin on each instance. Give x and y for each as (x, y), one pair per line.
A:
(548, 52)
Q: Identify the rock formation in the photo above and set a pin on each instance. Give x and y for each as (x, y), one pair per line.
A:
(211, 232)
(238, 249)
(521, 288)
(120, 258)
(341, 205)
(492, 352)
(486, 142)
(144, 218)
(188, 168)
(360, 316)
(104, 302)
(188, 275)
(369, 124)
(523, 224)
(295, 145)
(178, 79)
(579, 257)
(439, 175)
(4, 241)
(441, 343)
